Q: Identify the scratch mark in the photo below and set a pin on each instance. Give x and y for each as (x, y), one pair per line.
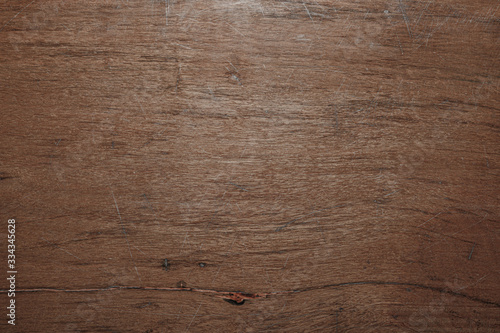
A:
(216, 274)
(286, 261)
(232, 27)
(391, 193)
(230, 247)
(179, 314)
(405, 17)
(399, 42)
(184, 46)
(430, 34)
(237, 79)
(140, 105)
(471, 284)
(346, 31)
(337, 319)
(320, 227)
(126, 5)
(22, 10)
(268, 280)
(238, 186)
(486, 156)
(184, 242)
(470, 254)
(191, 322)
(167, 11)
(304, 216)
(126, 235)
(145, 305)
(151, 207)
(93, 137)
(472, 225)
(423, 11)
(118, 210)
(335, 106)
(211, 92)
(308, 13)
(138, 249)
(432, 218)
(153, 138)
(60, 248)
(453, 234)
(236, 69)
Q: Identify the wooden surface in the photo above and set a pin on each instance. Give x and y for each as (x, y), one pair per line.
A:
(322, 166)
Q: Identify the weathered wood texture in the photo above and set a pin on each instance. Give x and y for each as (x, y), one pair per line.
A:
(334, 164)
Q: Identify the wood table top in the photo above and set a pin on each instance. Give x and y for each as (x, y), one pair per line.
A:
(250, 166)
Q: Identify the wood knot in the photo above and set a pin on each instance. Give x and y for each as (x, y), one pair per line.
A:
(181, 284)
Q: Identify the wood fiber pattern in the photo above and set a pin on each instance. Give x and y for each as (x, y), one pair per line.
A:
(321, 166)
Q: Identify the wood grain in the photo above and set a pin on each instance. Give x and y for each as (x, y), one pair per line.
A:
(323, 166)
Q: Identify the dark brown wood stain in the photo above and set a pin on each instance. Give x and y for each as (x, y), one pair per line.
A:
(327, 166)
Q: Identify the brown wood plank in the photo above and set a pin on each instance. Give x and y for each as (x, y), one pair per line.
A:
(322, 166)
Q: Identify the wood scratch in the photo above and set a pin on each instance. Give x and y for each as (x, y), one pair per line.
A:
(405, 17)
(153, 137)
(268, 280)
(399, 42)
(471, 284)
(184, 242)
(183, 46)
(470, 254)
(126, 235)
(472, 225)
(216, 274)
(232, 27)
(60, 248)
(238, 186)
(486, 156)
(335, 107)
(346, 31)
(423, 11)
(455, 233)
(389, 194)
(192, 319)
(167, 11)
(151, 208)
(304, 216)
(138, 249)
(308, 13)
(432, 218)
(22, 10)
(140, 105)
(286, 261)
(430, 34)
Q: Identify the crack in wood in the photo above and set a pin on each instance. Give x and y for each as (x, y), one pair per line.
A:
(240, 297)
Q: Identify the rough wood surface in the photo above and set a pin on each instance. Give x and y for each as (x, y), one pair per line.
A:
(322, 166)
